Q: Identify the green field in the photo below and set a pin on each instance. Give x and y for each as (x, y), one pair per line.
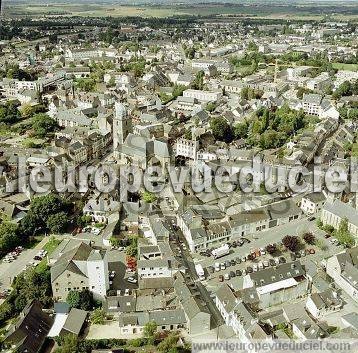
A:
(314, 12)
(349, 67)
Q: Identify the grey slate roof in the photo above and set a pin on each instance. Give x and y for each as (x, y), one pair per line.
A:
(278, 273)
(75, 320)
(343, 210)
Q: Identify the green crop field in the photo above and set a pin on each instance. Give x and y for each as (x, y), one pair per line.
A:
(258, 11)
(349, 67)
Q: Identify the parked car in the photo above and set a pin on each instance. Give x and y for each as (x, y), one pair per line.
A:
(255, 267)
(227, 263)
(217, 267)
(249, 269)
(233, 262)
(226, 276)
(222, 266)
(293, 256)
(266, 263)
(238, 260)
(298, 255)
(232, 274)
(238, 273)
(132, 280)
(221, 278)
(272, 262)
(211, 269)
(282, 260)
(312, 251)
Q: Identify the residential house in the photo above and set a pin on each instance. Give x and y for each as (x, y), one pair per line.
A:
(313, 203)
(343, 269)
(323, 303)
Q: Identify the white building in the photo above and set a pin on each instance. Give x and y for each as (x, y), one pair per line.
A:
(334, 213)
(343, 269)
(186, 148)
(202, 96)
(312, 204)
(154, 268)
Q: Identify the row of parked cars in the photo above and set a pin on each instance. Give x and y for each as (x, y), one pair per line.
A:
(11, 256)
(255, 267)
(237, 243)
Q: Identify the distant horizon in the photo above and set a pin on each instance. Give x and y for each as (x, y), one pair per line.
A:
(171, 2)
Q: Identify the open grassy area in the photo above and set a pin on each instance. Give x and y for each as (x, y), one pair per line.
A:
(93, 9)
(50, 247)
(342, 66)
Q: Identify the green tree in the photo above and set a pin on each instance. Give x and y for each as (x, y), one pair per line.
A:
(211, 106)
(149, 331)
(148, 197)
(86, 84)
(343, 235)
(26, 110)
(68, 344)
(169, 343)
(41, 208)
(57, 223)
(86, 300)
(73, 299)
(178, 90)
(241, 130)
(8, 237)
(42, 125)
(98, 317)
(221, 129)
(132, 248)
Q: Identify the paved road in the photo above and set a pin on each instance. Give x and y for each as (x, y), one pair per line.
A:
(8, 271)
(186, 259)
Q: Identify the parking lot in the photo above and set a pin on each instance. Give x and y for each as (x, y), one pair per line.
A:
(116, 262)
(237, 264)
(9, 270)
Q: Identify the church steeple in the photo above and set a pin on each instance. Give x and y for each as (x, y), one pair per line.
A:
(122, 125)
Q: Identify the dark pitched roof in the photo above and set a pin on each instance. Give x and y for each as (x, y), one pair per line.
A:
(30, 331)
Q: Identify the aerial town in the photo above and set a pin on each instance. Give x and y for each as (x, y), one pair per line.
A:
(166, 181)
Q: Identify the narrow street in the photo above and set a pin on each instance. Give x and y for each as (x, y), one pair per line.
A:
(186, 259)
